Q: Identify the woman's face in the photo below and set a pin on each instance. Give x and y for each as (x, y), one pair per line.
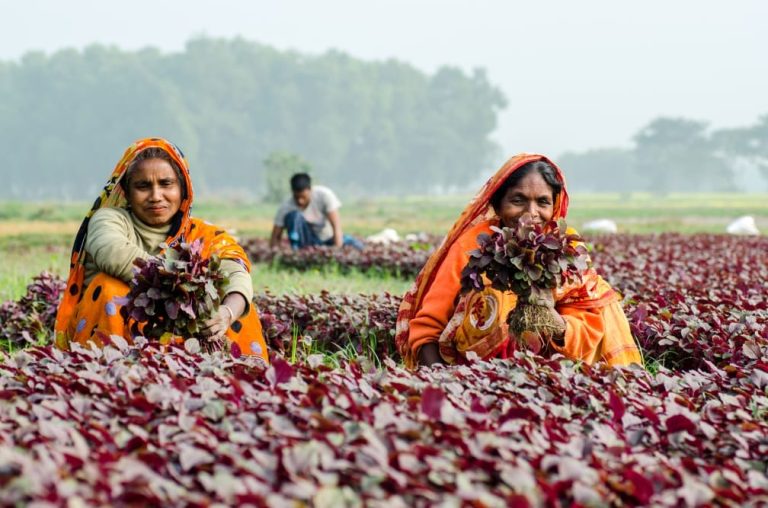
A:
(532, 195)
(154, 192)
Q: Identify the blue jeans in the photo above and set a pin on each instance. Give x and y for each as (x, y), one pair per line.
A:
(301, 235)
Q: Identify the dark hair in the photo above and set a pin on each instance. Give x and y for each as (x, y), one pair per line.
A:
(154, 153)
(544, 168)
(300, 182)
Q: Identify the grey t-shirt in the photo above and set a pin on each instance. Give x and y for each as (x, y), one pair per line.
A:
(322, 201)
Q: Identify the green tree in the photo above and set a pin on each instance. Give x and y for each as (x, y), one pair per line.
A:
(746, 145)
(601, 170)
(381, 127)
(677, 155)
(279, 166)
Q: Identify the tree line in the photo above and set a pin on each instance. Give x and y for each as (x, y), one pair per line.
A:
(246, 114)
(381, 126)
(676, 155)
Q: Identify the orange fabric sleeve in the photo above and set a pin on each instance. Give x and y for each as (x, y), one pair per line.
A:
(438, 303)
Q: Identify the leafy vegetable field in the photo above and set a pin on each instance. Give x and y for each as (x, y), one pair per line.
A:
(403, 259)
(336, 422)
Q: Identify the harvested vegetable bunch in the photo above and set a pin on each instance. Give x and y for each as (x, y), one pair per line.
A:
(530, 260)
(173, 294)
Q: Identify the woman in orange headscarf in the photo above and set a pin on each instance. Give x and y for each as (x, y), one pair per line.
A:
(145, 204)
(436, 324)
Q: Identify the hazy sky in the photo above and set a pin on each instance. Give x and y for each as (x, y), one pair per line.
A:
(578, 74)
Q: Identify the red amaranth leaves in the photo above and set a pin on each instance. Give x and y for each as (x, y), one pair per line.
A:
(402, 259)
(525, 258)
(176, 292)
(691, 299)
(330, 321)
(133, 425)
(30, 319)
(136, 425)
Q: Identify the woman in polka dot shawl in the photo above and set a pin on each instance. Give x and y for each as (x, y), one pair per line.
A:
(146, 203)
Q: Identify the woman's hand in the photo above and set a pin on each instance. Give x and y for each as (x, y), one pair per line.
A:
(543, 298)
(217, 326)
(429, 354)
(229, 311)
(546, 298)
(558, 337)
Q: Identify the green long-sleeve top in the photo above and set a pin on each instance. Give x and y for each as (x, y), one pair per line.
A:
(115, 238)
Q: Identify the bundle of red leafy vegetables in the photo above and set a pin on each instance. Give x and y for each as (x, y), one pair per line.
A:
(172, 295)
(531, 260)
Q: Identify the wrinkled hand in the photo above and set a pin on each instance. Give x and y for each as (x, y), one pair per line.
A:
(547, 299)
(217, 326)
(429, 355)
(544, 298)
(539, 341)
(557, 336)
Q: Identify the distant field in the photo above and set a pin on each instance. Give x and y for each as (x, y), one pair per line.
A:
(634, 213)
(37, 236)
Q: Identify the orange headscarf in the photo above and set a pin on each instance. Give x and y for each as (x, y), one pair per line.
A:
(591, 292)
(184, 228)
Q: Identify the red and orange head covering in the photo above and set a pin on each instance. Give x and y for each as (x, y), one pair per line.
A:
(113, 195)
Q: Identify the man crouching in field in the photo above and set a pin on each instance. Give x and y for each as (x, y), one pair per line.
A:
(311, 217)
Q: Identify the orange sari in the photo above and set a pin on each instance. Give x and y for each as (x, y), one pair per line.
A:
(434, 311)
(89, 315)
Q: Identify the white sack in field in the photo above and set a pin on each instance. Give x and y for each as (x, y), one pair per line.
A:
(600, 226)
(416, 237)
(384, 236)
(743, 226)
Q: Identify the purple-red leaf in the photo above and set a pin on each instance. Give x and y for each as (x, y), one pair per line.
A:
(432, 402)
(677, 423)
(279, 372)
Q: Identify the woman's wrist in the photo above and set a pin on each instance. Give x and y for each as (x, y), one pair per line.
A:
(558, 337)
(231, 314)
